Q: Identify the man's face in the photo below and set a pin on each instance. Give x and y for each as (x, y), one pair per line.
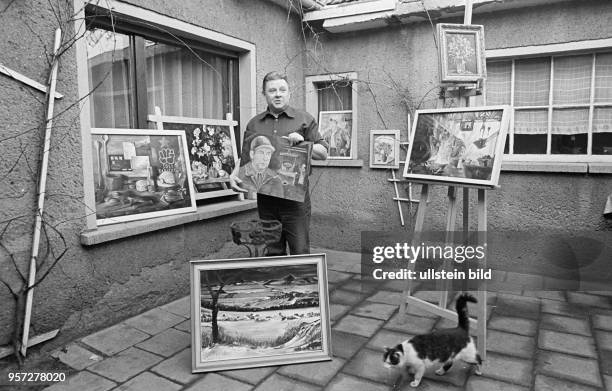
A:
(261, 158)
(277, 94)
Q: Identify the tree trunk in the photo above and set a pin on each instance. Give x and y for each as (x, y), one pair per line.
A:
(20, 304)
(215, 312)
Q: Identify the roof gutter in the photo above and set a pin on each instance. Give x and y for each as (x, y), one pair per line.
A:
(304, 5)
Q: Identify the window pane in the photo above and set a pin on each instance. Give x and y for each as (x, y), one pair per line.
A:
(603, 77)
(109, 58)
(531, 82)
(602, 131)
(499, 77)
(186, 82)
(335, 96)
(530, 131)
(572, 79)
(569, 131)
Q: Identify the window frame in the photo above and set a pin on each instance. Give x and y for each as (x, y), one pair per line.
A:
(247, 91)
(312, 107)
(553, 162)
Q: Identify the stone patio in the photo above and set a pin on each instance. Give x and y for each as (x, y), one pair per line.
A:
(539, 341)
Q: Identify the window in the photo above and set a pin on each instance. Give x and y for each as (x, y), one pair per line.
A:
(562, 105)
(335, 96)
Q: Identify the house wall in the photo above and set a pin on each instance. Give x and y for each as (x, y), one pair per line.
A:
(94, 286)
(398, 68)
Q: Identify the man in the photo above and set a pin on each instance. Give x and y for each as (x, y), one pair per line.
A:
(255, 176)
(283, 121)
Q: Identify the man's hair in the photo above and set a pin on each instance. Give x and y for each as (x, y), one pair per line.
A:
(274, 75)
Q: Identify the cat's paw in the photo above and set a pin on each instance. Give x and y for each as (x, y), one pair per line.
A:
(478, 372)
(415, 383)
(440, 371)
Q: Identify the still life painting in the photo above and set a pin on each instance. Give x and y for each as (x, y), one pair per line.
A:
(462, 57)
(384, 148)
(259, 311)
(462, 145)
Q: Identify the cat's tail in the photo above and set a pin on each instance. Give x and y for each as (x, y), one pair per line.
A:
(462, 310)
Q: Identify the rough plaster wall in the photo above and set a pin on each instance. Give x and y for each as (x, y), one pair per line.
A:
(403, 59)
(95, 286)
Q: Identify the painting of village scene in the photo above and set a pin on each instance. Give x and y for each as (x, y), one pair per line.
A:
(247, 315)
(458, 145)
(336, 128)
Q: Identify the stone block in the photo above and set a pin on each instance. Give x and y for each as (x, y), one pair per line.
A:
(510, 344)
(368, 364)
(365, 327)
(76, 356)
(345, 345)
(550, 295)
(514, 325)
(277, 382)
(177, 368)
(565, 309)
(477, 383)
(547, 383)
(319, 372)
(126, 364)
(361, 286)
(387, 338)
(567, 343)
(375, 310)
(340, 296)
(83, 381)
(608, 381)
(337, 311)
(604, 340)
(566, 324)
(386, 297)
(411, 325)
(602, 322)
(149, 382)
(350, 383)
(184, 326)
(216, 382)
(589, 300)
(167, 342)
(154, 321)
(335, 277)
(577, 369)
(251, 375)
(508, 369)
(115, 339)
(180, 307)
(605, 358)
(518, 306)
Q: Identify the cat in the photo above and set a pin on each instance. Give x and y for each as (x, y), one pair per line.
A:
(441, 346)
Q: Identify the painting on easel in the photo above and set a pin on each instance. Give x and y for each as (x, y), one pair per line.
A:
(462, 53)
(462, 145)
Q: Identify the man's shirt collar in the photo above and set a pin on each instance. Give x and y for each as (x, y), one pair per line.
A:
(289, 112)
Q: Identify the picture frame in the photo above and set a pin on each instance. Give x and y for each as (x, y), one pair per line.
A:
(255, 312)
(275, 167)
(458, 146)
(140, 174)
(385, 148)
(336, 128)
(213, 151)
(461, 53)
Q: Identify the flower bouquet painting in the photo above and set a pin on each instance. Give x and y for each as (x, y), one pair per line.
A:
(461, 53)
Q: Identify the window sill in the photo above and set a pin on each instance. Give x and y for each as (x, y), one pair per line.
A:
(110, 232)
(561, 167)
(337, 163)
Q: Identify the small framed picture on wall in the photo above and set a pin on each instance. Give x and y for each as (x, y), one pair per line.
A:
(384, 148)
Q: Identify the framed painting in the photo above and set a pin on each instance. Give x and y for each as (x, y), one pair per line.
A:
(462, 53)
(384, 148)
(256, 312)
(212, 150)
(140, 174)
(336, 128)
(461, 145)
(276, 168)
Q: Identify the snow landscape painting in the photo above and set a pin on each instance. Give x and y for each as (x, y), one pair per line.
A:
(259, 311)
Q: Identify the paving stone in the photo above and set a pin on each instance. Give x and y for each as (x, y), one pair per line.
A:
(566, 324)
(429, 385)
(526, 281)
(335, 277)
(125, 364)
(412, 309)
(345, 345)
(76, 356)
(604, 339)
(342, 261)
(550, 295)
(566, 309)
(386, 297)
(252, 375)
(150, 382)
(180, 307)
(278, 383)
(567, 343)
(456, 376)
(83, 381)
(350, 383)
(546, 383)
(154, 321)
(337, 311)
(605, 358)
(387, 338)
(589, 300)
(115, 339)
(514, 325)
(369, 364)
(603, 322)
(519, 306)
(184, 326)
(608, 381)
(349, 298)
(508, 369)
(319, 372)
(361, 286)
(375, 310)
(398, 285)
(477, 383)
(177, 368)
(167, 342)
(412, 324)
(511, 344)
(430, 296)
(365, 327)
(216, 382)
(581, 370)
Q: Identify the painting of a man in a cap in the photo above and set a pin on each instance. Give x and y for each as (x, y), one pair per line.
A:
(255, 175)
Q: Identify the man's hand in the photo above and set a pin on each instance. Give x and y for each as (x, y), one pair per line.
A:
(295, 138)
(235, 181)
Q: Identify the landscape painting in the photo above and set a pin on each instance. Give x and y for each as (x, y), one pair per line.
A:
(259, 311)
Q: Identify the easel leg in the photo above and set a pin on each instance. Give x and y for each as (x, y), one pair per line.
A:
(451, 218)
(482, 291)
(418, 228)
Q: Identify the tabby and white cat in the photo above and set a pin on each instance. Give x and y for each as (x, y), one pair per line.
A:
(438, 347)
